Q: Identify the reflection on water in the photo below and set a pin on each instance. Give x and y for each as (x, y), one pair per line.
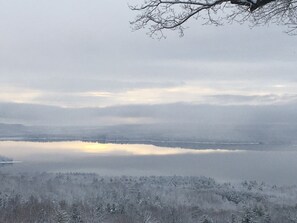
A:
(143, 150)
(23, 150)
(277, 167)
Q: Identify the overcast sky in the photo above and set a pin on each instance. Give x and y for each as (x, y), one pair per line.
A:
(75, 53)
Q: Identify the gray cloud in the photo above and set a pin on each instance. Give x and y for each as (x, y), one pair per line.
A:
(252, 99)
(78, 47)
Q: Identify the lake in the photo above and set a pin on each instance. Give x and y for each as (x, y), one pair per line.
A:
(276, 167)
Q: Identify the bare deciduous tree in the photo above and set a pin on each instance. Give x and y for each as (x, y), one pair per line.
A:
(160, 15)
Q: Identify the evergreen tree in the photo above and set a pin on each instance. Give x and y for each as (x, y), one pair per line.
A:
(233, 218)
(206, 219)
(248, 217)
(62, 217)
(267, 218)
(75, 215)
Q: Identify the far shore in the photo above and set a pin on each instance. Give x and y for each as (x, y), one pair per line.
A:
(10, 162)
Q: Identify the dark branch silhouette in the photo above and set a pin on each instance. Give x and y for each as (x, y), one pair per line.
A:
(159, 15)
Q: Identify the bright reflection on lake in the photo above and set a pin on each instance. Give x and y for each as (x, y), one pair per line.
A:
(28, 150)
(277, 167)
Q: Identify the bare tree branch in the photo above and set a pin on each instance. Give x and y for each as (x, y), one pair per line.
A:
(159, 15)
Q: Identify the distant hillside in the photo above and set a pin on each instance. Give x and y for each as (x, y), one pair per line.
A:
(5, 159)
(179, 125)
(179, 113)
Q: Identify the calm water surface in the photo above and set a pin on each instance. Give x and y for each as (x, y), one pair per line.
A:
(129, 159)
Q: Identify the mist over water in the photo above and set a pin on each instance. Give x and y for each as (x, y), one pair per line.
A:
(276, 167)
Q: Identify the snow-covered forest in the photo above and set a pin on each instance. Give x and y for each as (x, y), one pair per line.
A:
(77, 197)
